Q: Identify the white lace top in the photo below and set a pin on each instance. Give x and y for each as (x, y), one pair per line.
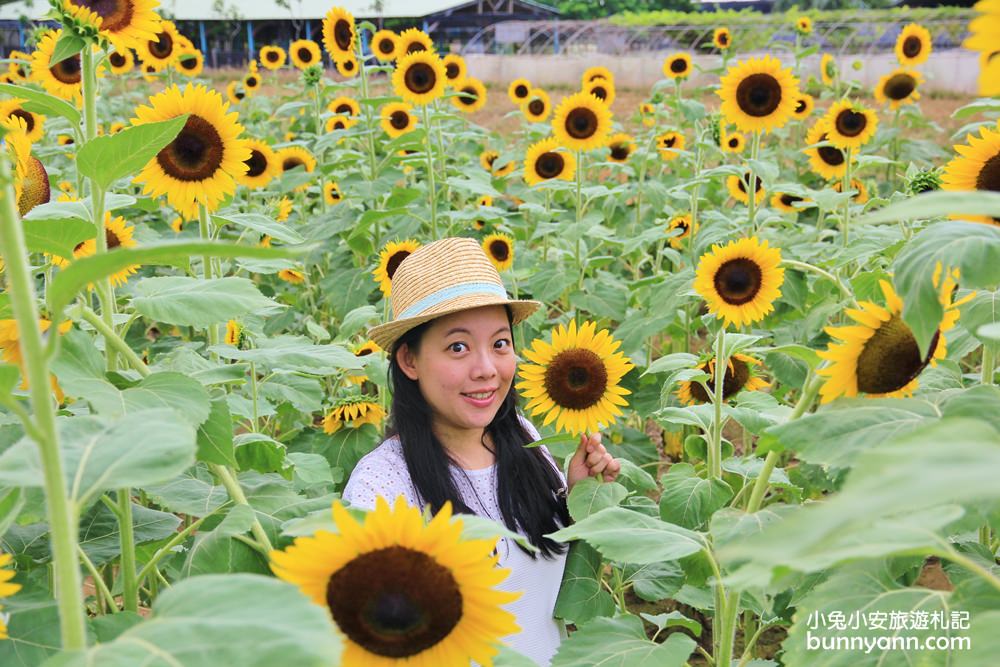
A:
(383, 472)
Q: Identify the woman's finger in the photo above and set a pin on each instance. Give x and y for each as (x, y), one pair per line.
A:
(596, 455)
(603, 463)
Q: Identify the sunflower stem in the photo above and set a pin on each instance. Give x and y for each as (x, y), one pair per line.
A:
(99, 584)
(62, 513)
(752, 190)
(579, 216)
(232, 484)
(432, 190)
(989, 364)
(715, 447)
(111, 339)
(205, 231)
(638, 192)
(130, 582)
(318, 112)
(845, 188)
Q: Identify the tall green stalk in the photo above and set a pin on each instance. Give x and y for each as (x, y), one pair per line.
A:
(62, 514)
(579, 215)
(715, 446)
(752, 189)
(432, 190)
(845, 188)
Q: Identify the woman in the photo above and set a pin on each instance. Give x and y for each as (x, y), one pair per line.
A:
(454, 432)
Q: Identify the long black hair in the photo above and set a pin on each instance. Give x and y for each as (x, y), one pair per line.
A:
(527, 483)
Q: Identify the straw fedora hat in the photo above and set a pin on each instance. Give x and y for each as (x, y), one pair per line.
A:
(440, 278)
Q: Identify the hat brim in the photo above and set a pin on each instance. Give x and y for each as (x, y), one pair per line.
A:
(386, 335)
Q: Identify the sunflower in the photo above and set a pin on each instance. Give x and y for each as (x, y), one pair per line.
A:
(484, 200)
(500, 249)
(365, 349)
(487, 158)
(125, 23)
(518, 91)
(150, 73)
(648, 113)
(740, 376)
(345, 106)
(292, 157)
(737, 187)
(419, 77)
(293, 276)
(17, 69)
(740, 281)
(190, 63)
(202, 161)
(596, 72)
(385, 45)
(677, 66)
(602, 89)
(62, 79)
(348, 67)
(117, 234)
(785, 202)
(581, 122)
(251, 82)
(879, 355)
(273, 57)
(331, 193)
(339, 33)
(234, 333)
(898, 88)
(284, 209)
(388, 261)
(34, 124)
(304, 53)
(913, 46)
(471, 95)
(758, 94)
(804, 105)
(682, 223)
(670, 144)
(537, 107)
(804, 25)
(10, 352)
(620, 147)
(575, 379)
(262, 165)
(401, 591)
(828, 69)
(722, 38)
(976, 167)
(413, 40)
(32, 184)
(335, 123)
(850, 125)
(162, 49)
(398, 119)
(455, 70)
(860, 195)
(7, 588)
(234, 92)
(827, 161)
(121, 61)
(354, 410)
(732, 142)
(544, 161)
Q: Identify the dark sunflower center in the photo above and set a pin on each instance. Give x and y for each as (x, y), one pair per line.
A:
(576, 379)
(452, 70)
(251, 82)
(723, 38)
(420, 78)
(386, 46)
(734, 142)
(305, 55)
(619, 151)
(111, 238)
(256, 164)
(599, 92)
(758, 95)
(163, 47)
(400, 120)
(334, 193)
(683, 226)
(800, 106)
(468, 96)
(67, 71)
(117, 59)
(292, 162)
(343, 34)
(669, 142)
(581, 123)
(520, 90)
(738, 281)
(788, 199)
(912, 46)
(347, 65)
(239, 94)
(192, 63)
(195, 154)
(363, 353)
(413, 47)
(345, 108)
(742, 184)
(734, 380)
(850, 123)
(536, 107)
(271, 56)
(989, 176)
(491, 158)
(550, 164)
(395, 602)
(891, 358)
(678, 66)
(900, 86)
(500, 250)
(830, 155)
(29, 118)
(115, 14)
(394, 261)
(338, 125)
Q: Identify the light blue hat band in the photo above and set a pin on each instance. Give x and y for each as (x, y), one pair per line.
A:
(447, 293)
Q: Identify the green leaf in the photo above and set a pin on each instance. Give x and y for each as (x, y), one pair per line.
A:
(261, 224)
(937, 203)
(304, 393)
(33, 629)
(106, 159)
(188, 495)
(983, 310)
(215, 435)
(295, 354)
(68, 45)
(672, 362)
(57, 237)
(256, 451)
(688, 500)
(590, 495)
(9, 374)
(101, 454)
(43, 103)
(654, 581)
(674, 619)
(581, 595)
(222, 620)
(198, 302)
(100, 532)
(984, 640)
(86, 270)
(621, 642)
(628, 536)
(217, 553)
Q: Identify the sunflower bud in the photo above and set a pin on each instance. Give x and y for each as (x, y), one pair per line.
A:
(312, 75)
(924, 181)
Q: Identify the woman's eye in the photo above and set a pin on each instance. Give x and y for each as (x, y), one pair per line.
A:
(503, 343)
(456, 347)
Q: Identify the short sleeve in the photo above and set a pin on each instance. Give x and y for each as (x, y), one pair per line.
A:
(379, 473)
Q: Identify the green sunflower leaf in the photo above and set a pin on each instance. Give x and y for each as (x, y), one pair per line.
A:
(628, 536)
(43, 103)
(581, 595)
(198, 302)
(621, 642)
(106, 159)
(68, 45)
(688, 500)
(57, 237)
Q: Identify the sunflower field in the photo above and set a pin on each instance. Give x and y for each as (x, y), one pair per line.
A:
(777, 297)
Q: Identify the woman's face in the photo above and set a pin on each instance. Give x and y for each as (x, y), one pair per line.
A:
(465, 366)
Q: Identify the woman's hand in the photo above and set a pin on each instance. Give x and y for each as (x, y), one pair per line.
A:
(592, 459)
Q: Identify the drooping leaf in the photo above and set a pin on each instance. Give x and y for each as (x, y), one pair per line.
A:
(107, 158)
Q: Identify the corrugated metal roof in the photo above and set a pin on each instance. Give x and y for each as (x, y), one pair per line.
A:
(263, 10)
